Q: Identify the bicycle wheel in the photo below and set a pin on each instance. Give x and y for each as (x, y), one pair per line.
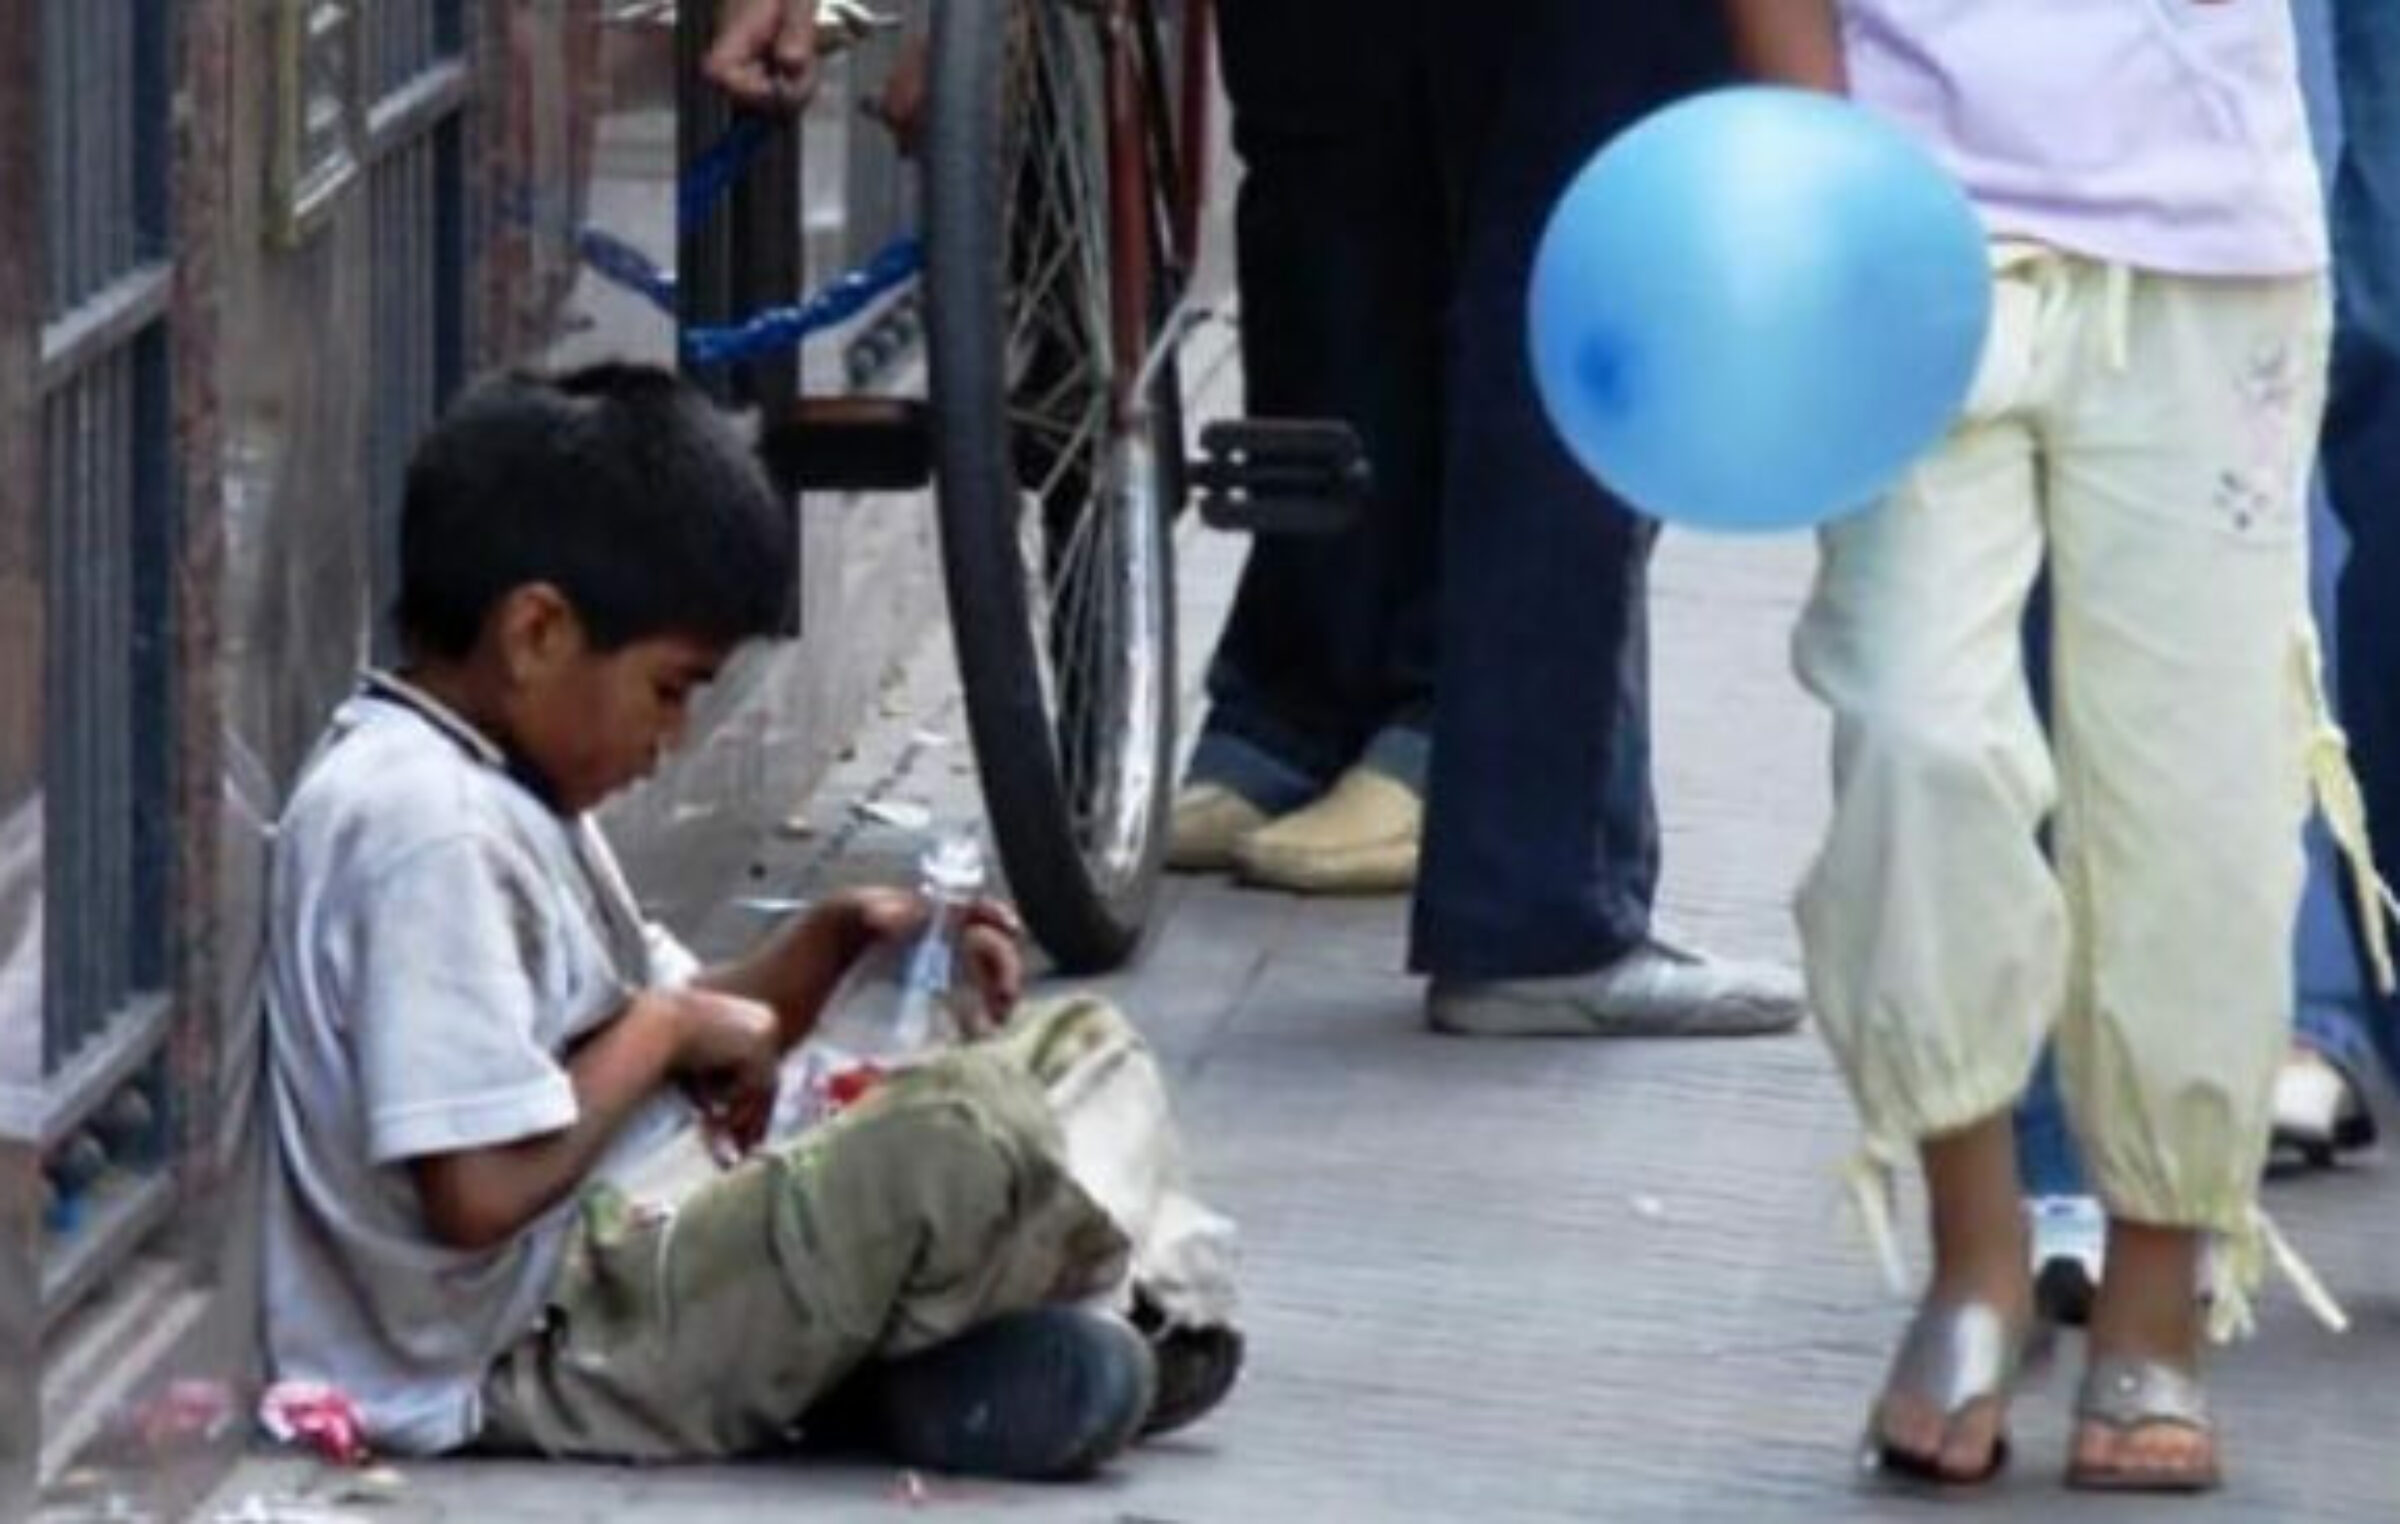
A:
(1054, 462)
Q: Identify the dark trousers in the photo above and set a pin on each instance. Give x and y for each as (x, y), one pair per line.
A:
(1438, 137)
(1342, 266)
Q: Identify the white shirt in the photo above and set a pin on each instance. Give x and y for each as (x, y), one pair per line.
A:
(2168, 135)
(437, 938)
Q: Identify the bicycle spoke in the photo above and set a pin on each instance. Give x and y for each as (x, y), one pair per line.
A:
(1083, 638)
(1083, 471)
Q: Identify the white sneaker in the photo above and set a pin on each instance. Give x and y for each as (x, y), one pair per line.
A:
(2069, 1235)
(2318, 1112)
(1657, 990)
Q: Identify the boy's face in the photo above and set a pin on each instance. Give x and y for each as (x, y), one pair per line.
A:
(593, 722)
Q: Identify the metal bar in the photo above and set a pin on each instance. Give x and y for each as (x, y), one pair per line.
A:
(62, 968)
(450, 259)
(1198, 66)
(1167, 174)
(85, 335)
(424, 225)
(387, 318)
(94, 677)
(767, 232)
(380, 487)
(130, 1038)
(415, 108)
(155, 87)
(121, 110)
(90, 855)
(410, 292)
(82, 499)
(92, 139)
(703, 248)
(156, 543)
(58, 758)
(52, 182)
(121, 1218)
(73, 792)
(114, 715)
(66, 19)
(29, 154)
(74, 204)
(20, 1329)
(131, 115)
(101, 670)
(77, 790)
(101, 667)
(91, 184)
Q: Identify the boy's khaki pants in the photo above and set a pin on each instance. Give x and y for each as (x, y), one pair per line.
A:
(2149, 438)
(1037, 1167)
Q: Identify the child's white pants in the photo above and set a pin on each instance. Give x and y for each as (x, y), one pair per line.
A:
(2148, 438)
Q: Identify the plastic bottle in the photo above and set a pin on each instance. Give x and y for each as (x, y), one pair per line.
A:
(863, 1036)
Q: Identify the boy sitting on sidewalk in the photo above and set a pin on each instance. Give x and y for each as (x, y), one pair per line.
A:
(475, 1036)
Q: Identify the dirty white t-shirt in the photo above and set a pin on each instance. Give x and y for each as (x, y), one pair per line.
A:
(438, 937)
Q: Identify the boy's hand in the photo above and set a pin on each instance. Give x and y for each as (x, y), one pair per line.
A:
(728, 1053)
(796, 971)
(765, 55)
(990, 945)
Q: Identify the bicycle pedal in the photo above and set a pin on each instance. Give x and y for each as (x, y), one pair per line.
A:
(850, 444)
(1281, 476)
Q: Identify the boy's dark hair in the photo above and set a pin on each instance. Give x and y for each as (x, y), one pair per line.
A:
(619, 484)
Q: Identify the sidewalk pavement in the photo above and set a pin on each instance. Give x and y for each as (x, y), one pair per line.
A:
(1535, 1281)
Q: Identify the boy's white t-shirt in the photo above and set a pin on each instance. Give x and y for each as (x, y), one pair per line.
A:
(438, 938)
(2167, 135)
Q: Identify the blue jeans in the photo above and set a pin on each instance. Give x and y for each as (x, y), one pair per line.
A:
(1403, 158)
(2350, 54)
(2362, 432)
(1541, 835)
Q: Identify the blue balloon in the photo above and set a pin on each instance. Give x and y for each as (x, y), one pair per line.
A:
(1754, 309)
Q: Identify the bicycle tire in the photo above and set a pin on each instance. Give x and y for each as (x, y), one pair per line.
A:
(1075, 765)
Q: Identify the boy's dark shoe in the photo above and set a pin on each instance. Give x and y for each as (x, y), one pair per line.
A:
(1047, 1395)
(1197, 1368)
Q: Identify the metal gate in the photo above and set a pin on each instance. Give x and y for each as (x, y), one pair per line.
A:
(417, 79)
(109, 527)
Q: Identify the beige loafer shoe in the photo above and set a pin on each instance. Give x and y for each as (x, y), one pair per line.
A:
(1361, 838)
(1208, 820)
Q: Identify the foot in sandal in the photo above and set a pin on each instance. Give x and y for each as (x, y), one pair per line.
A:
(1944, 1412)
(2143, 1426)
(2142, 1422)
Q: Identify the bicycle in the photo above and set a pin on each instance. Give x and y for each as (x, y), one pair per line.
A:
(1061, 195)
(1062, 175)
